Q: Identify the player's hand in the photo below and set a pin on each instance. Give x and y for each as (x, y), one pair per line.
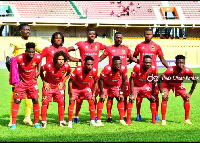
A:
(153, 98)
(93, 98)
(71, 99)
(102, 98)
(121, 98)
(46, 86)
(165, 97)
(60, 85)
(36, 75)
(187, 96)
(131, 99)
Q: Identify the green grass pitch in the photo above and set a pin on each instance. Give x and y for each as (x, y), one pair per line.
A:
(143, 131)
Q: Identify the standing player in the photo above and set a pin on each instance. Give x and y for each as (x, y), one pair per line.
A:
(148, 47)
(142, 82)
(54, 85)
(172, 79)
(110, 86)
(123, 52)
(87, 48)
(28, 83)
(79, 87)
(19, 47)
(57, 41)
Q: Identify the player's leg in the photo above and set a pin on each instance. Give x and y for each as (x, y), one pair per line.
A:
(109, 108)
(153, 111)
(11, 104)
(70, 113)
(36, 111)
(61, 112)
(78, 108)
(92, 112)
(15, 109)
(29, 105)
(156, 92)
(138, 106)
(126, 94)
(129, 110)
(120, 106)
(166, 90)
(44, 109)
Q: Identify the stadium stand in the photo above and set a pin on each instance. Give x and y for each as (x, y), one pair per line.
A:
(44, 9)
(190, 8)
(102, 9)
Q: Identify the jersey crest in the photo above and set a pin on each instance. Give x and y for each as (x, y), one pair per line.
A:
(34, 64)
(118, 74)
(149, 73)
(153, 48)
(44, 97)
(63, 72)
(123, 51)
(90, 76)
(16, 94)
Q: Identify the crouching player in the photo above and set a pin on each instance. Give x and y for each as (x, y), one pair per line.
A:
(142, 83)
(27, 63)
(54, 85)
(109, 86)
(79, 88)
(172, 79)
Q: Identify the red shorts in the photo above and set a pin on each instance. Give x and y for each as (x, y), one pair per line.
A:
(112, 91)
(58, 95)
(144, 91)
(31, 89)
(178, 89)
(85, 93)
(127, 88)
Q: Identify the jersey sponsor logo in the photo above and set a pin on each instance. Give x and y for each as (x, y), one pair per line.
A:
(62, 91)
(148, 54)
(16, 94)
(153, 48)
(44, 97)
(90, 76)
(34, 64)
(90, 54)
(86, 47)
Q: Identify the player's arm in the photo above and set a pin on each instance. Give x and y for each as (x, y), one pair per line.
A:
(188, 95)
(61, 84)
(71, 49)
(121, 96)
(74, 59)
(164, 62)
(71, 98)
(132, 59)
(153, 88)
(102, 96)
(8, 63)
(45, 83)
(38, 70)
(94, 89)
(102, 57)
(131, 98)
(164, 95)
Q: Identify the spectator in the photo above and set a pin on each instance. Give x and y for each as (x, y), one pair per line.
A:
(149, 10)
(118, 15)
(124, 9)
(112, 13)
(112, 2)
(133, 11)
(118, 2)
(138, 5)
(131, 3)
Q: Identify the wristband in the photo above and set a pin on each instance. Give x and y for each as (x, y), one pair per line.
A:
(163, 94)
(121, 92)
(93, 95)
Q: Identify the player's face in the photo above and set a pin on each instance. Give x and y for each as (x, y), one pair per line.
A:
(58, 40)
(117, 65)
(88, 65)
(147, 63)
(25, 31)
(148, 36)
(60, 61)
(118, 39)
(30, 52)
(91, 35)
(180, 63)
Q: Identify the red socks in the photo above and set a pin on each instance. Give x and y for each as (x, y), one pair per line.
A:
(78, 106)
(109, 107)
(92, 109)
(120, 106)
(157, 104)
(163, 108)
(138, 104)
(44, 111)
(15, 109)
(61, 110)
(125, 105)
(70, 111)
(36, 111)
(99, 109)
(129, 110)
(153, 111)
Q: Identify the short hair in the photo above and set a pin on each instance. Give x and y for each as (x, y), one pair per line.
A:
(22, 25)
(115, 58)
(148, 29)
(90, 29)
(54, 36)
(146, 56)
(89, 58)
(30, 45)
(179, 57)
(118, 32)
(57, 54)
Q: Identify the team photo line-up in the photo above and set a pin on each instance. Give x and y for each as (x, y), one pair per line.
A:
(84, 83)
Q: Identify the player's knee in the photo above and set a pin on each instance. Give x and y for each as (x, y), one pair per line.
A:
(110, 98)
(17, 101)
(35, 100)
(71, 105)
(91, 105)
(45, 103)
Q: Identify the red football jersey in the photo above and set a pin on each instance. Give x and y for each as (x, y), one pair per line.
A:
(49, 52)
(90, 49)
(27, 70)
(142, 77)
(53, 75)
(171, 77)
(111, 78)
(152, 49)
(123, 52)
(82, 80)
